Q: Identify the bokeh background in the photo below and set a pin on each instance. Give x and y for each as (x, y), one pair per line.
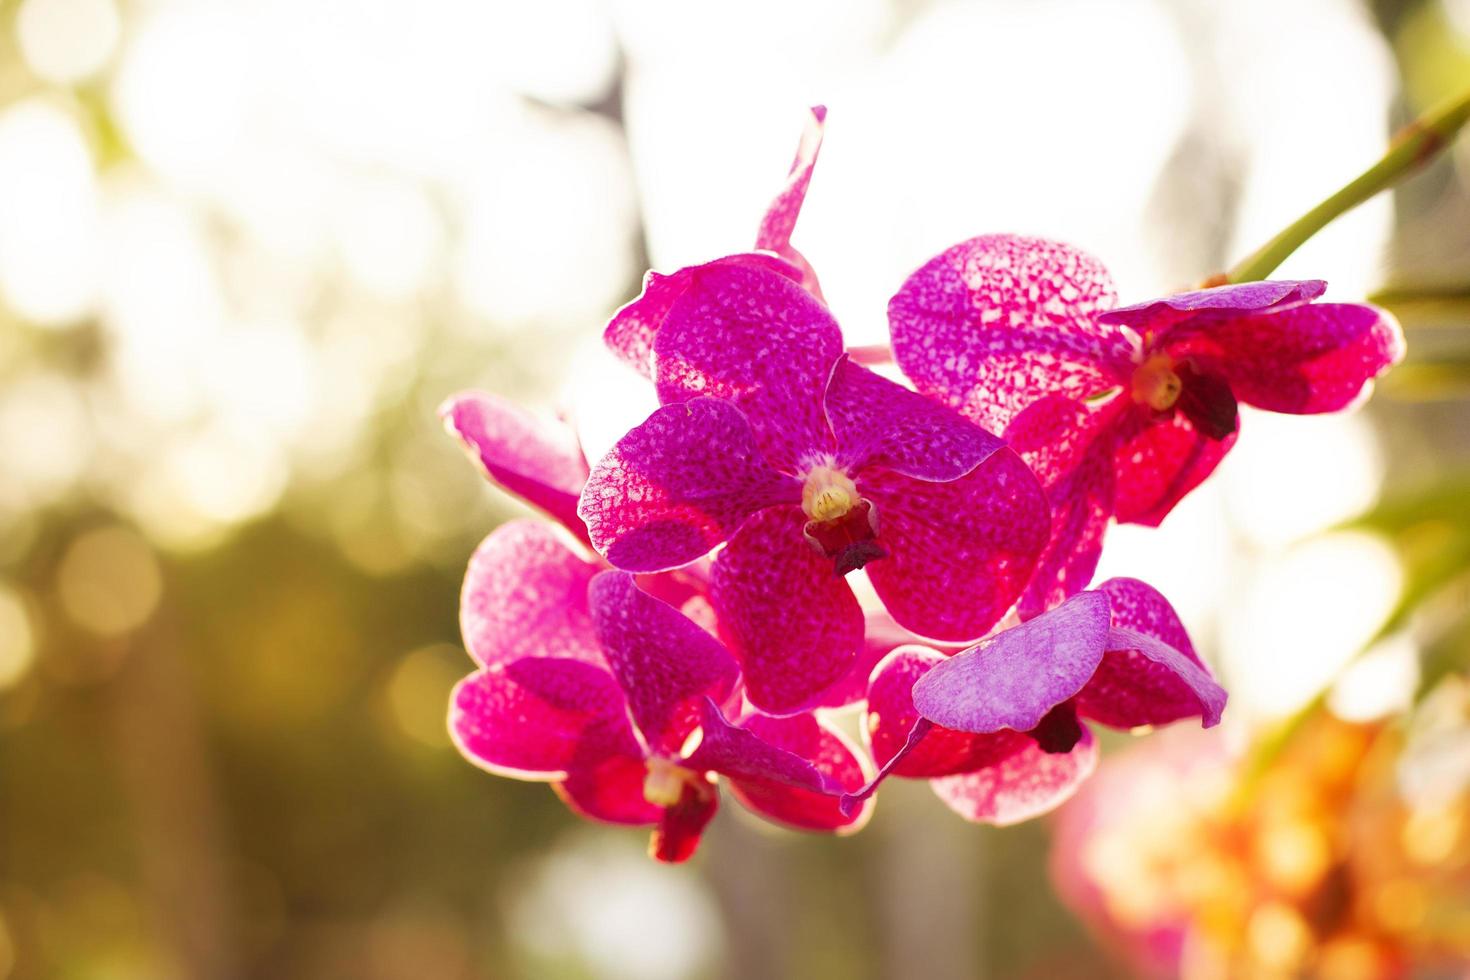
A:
(245, 249)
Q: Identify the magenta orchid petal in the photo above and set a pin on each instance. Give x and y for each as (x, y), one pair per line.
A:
(679, 484)
(1151, 674)
(665, 663)
(540, 718)
(959, 553)
(832, 756)
(780, 218)
(536, 459)
(793, 625)
(852, 801)
(1158, 463)
(1302, 361)
(1144, 681)
(1014, 678)
(737, 752)
(1140, 607)
(993, 322)
(762, 343)
(940, 751)
(880, 423)
(629, 334)
(1237, 299)
(1069, 447)
(880, 635)
(1024, 785)
(524, 595)
(611, 791)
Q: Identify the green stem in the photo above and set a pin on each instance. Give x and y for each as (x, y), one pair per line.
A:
(1414, 146)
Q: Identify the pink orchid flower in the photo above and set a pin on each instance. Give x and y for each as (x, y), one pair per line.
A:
(631, 331)
(535, 459)
(612, 695)
(807, 467)
(998, 728)
(1120, 410)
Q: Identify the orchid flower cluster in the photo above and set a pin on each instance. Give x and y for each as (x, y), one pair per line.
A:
(690, 620)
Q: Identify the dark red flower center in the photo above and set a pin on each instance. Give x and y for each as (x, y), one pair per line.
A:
(1166, 385)
(842, 525)
(1059, 730)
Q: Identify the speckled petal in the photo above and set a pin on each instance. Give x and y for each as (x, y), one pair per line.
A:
(1206, 305)
(629, 334)
(827, 750)
(763, 343)
(737, 752)
(880, 423)
(665, 663)
(1151, 674)
(540, 718)
(1144, 681)
(1069, 447)
(525, 595)
(1023, 786)
(1305, 360)
(995, 322)
(1158, 462)
(1012, 679)
(959, 552)
(538, 460)
(793, 625)
(880, 635)
(678, 485)
(1140, 607)
(780, 218)
(891, 717)
(611, 791)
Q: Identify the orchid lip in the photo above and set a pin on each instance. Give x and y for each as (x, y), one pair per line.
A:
(851, 540)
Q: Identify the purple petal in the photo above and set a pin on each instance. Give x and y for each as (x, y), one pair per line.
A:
(1012, 679)
(959, 553)
(611, 791)
(1305, 360)
(780, 218)
(525, 595)
(1145, 681)
(1157, 315)
(537, 460)
(1140, 607)
(739, 753)
(1069, 447)
(880, 423)
(540, 718)
(1158, 461)
(941, 751)
(828, 752)
(1024, 785)
(665, 663)
(629, 334)
(995, 322)
(678, 485)
(794, 626)
(760, 341)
